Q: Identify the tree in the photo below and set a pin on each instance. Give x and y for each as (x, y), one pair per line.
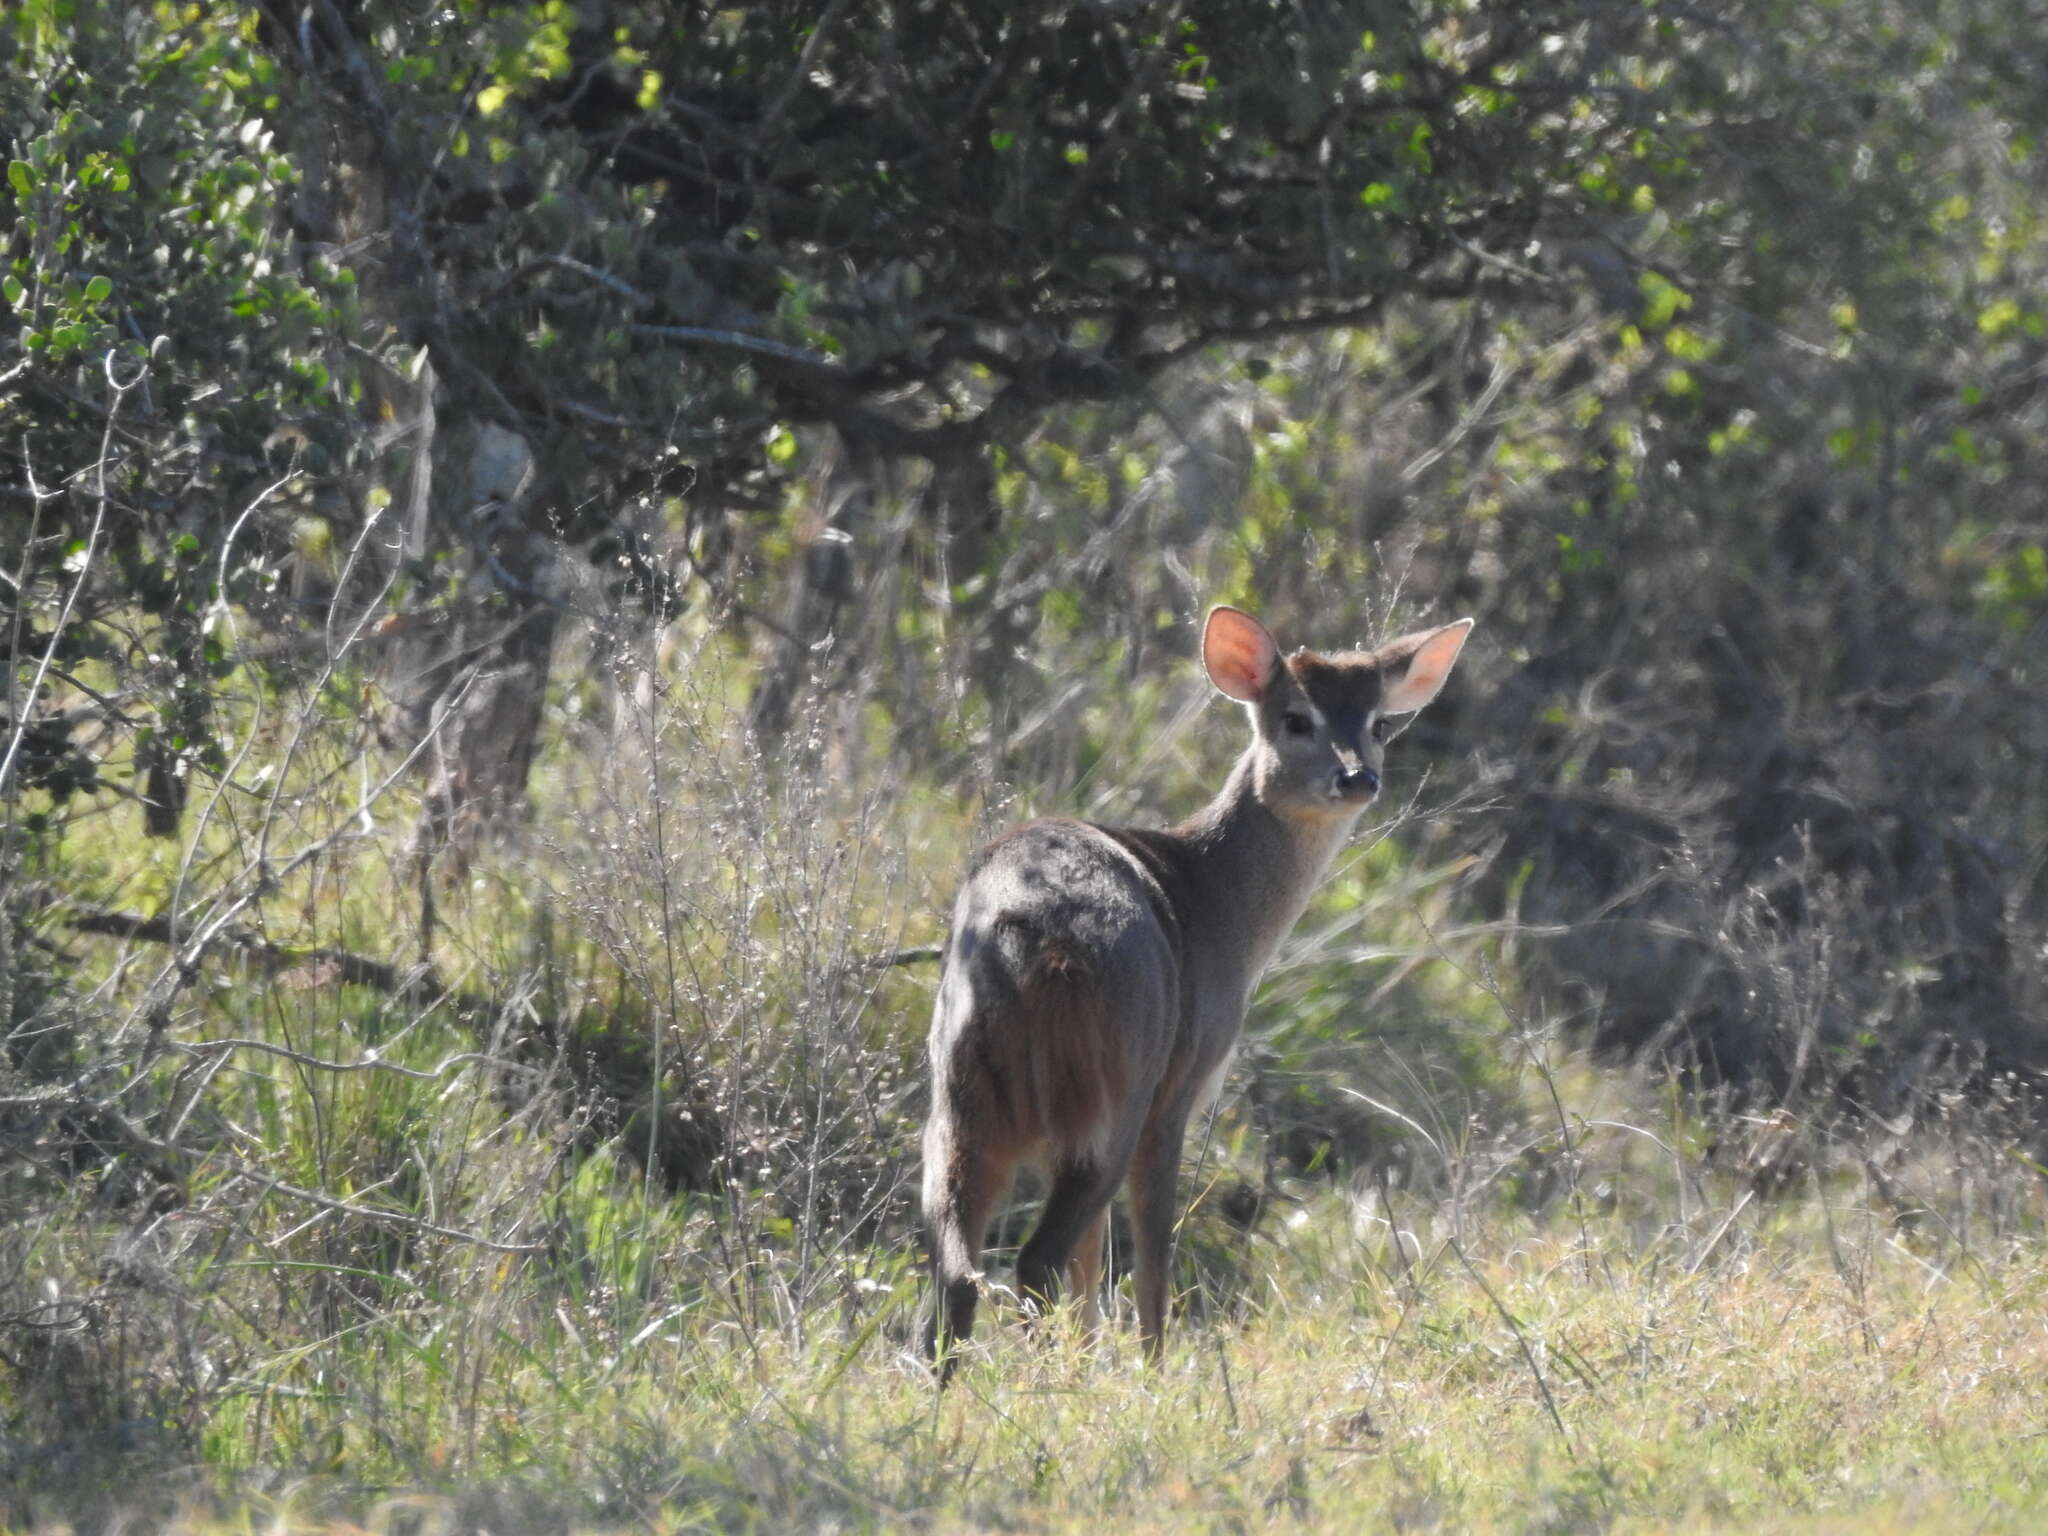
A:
(471, 312)
(521, 278)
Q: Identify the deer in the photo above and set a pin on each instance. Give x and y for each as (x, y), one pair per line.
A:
(1095, 978)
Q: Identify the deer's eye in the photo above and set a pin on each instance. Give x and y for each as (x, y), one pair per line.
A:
(1295, 723)
(1380, 729)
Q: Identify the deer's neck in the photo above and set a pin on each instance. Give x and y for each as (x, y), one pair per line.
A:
(1252, 868)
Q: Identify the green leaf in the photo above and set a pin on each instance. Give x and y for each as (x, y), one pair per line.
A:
(1663, 300)
(12, 290)
(20, 177)
(99, 290)
(1684, 342)
(1418, 148)
(1998, 318)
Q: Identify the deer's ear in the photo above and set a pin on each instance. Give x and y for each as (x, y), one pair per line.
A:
(1238, 654)
(1415, 666)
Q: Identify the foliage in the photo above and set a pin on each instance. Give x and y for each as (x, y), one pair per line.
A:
(638, 243)
(164, 347)
(750, 454)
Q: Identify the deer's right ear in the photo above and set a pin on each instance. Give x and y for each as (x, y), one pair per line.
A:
(1238, 654)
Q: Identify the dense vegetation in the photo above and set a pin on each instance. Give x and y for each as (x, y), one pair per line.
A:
(536, 537)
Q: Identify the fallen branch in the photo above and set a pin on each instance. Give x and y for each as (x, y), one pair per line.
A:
(412, 984)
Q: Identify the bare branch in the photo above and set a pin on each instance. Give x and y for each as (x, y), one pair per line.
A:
(736, 341)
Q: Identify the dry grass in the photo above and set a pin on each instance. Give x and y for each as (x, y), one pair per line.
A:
(1548, 1297)
(1792, 1381)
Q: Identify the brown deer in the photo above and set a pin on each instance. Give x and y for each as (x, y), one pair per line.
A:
(1096, 977)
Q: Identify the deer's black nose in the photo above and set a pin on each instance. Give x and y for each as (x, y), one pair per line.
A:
(1358, 781)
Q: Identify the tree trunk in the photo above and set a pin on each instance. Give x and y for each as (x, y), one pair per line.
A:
(822, 583)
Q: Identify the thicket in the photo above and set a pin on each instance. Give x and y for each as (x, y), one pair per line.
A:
(536, 538)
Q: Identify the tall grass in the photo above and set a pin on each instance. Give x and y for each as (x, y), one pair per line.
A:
(595, 1211)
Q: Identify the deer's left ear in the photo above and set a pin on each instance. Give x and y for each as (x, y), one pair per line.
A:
(1414, 667)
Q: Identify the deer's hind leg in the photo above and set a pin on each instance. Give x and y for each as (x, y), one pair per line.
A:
(1084, 1273)
(963, 1183)
(1069, 1233)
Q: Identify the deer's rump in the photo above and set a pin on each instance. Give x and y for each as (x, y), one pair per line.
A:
(1056, 1013)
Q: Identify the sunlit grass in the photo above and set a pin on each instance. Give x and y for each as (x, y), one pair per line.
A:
(1515, 1379)
(400, 1277)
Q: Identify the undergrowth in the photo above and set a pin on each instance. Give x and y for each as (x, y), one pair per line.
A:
(589, 1204)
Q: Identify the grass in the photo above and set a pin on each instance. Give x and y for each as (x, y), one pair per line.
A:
(1799, 1369)
(389, 1268)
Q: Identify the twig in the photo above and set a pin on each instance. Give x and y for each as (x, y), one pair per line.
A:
(1521, 1340)
(112, 707)
(369, 1062)
(917, 954)
(84, 567)
(739, 341)
(1693, 1265)
(771, 119)
(1515, 269)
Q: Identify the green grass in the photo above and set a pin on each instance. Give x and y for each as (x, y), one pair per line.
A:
(1512, 1292)
(1799, 1369)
